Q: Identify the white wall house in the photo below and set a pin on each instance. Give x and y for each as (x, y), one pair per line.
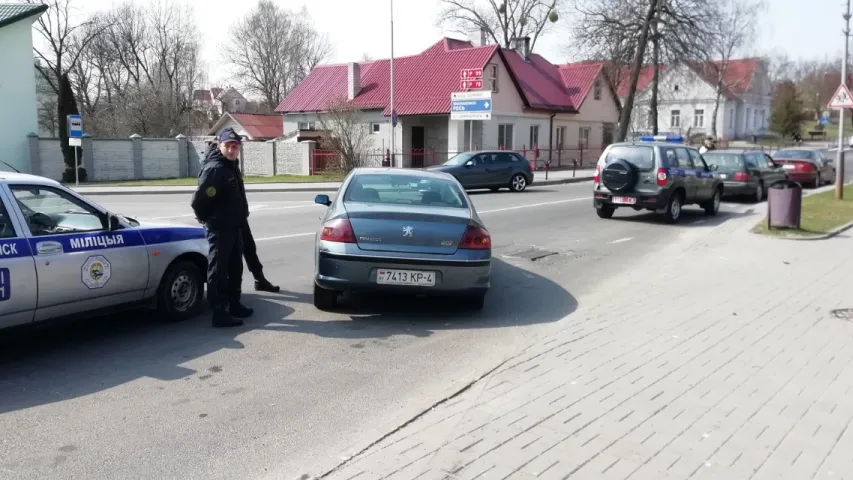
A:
(687, 101)
(19, 111)
(534, 103)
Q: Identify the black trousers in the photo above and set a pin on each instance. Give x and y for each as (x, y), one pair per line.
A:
(250, 252)
(224, 267)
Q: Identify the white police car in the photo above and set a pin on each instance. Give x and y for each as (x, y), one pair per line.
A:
(61, 254)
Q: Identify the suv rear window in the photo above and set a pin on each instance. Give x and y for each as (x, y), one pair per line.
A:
(641, 157)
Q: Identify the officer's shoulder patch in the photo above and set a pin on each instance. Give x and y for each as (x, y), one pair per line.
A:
(211, 191)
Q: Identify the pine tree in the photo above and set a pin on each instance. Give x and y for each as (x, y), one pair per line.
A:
(68, 106)
(786, 115)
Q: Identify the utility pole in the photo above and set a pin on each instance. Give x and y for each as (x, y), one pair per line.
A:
(393, 113)
(839, 157)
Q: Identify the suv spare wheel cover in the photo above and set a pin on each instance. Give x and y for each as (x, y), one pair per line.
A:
(618, 176)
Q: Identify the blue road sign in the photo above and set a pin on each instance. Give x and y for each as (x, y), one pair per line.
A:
(75, 126)
(473, 105)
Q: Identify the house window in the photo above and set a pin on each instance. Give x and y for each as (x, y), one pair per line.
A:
(675, 118)
(746, 120)
(676, 88)
(650, 120)
(757, 122)
(492, 77)
(583, 137)
(374, 128)
(505, 136)
(732, 118)
(306, 125)
(534, 135)
(596, 92)
(699, 118)
(561, 137)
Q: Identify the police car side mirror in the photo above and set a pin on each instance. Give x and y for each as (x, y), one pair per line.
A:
(114, 223)
(322, 200)
(715, 167)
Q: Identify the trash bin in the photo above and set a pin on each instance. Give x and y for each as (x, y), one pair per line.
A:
(784, 204)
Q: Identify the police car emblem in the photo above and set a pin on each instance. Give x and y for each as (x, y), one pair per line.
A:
(96, 271)
(211, 191)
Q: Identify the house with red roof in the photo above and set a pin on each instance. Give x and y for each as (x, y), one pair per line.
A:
(687, 98)
(252, 126)
(534, 102)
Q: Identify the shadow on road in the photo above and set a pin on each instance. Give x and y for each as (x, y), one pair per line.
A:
(76, 359)
(690, 217)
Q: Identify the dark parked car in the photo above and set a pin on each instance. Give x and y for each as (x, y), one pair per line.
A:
(745, 173)
(489, 169)
(806, 166)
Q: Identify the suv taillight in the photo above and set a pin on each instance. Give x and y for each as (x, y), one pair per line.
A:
(741, 177)
(662, 177)
(597, 176)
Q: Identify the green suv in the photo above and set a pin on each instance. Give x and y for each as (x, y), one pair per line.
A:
(659, 173)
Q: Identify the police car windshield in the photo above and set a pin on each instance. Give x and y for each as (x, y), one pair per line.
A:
(640, 156)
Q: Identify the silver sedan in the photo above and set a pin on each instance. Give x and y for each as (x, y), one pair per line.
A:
(404, 231)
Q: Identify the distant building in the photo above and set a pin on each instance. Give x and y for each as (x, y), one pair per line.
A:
(252, 126)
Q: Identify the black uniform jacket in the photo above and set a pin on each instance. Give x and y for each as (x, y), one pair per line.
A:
(220, 199)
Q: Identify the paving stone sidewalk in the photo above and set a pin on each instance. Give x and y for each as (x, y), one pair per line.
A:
(724, 359)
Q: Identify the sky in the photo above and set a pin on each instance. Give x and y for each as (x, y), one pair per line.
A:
(800, 29)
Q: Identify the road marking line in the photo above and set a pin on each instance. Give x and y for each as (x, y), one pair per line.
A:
(251, 209)
(556, 202)
(622, 240)
(281, 237)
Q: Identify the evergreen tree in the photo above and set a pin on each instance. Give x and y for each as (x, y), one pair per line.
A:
(786, 115)
(68, 106)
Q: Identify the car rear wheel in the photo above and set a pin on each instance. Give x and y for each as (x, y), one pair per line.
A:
(604, 211)
(181, 292)
(759, 193)
(518, 183)
(673, 209)
(818, 182)
(325, 299)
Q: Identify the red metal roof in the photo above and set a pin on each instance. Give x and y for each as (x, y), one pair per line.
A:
(260, 125)
(423, 83)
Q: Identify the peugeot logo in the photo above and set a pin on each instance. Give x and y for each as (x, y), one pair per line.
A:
(407, 231)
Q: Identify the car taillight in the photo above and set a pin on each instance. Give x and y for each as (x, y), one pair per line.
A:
(597, 176)
(741, 177)
(476, 238)
(662, 177)
(339, 230)
(803, 166)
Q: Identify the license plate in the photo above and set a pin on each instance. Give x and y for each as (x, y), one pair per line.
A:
(788, 166)
(405, 277)
(724, 176)
(625, 200)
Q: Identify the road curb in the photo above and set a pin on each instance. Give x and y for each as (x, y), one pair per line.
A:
(188, 190)
(824, 236)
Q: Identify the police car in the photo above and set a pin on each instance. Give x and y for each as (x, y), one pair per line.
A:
(658, 173)
(61, 254)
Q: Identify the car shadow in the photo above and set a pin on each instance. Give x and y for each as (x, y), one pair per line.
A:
(63, 361)
(691, 215)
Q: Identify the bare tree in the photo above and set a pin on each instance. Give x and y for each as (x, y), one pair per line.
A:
(139, 75)
(734, 29)
(347, 132)
(273, 49)
(503, 20)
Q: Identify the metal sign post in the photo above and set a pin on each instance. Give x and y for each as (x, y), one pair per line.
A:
(75, 139)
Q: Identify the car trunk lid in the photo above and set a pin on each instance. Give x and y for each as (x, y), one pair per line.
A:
(407, 228)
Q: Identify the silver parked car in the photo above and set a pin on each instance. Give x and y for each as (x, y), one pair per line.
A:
(407, 231)
(61, 254)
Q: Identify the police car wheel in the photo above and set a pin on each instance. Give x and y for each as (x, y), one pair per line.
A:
(673, 209)
(713, 206)
(325, 299)
(181, 293)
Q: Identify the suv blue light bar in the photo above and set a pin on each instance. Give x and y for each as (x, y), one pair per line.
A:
(662, 138)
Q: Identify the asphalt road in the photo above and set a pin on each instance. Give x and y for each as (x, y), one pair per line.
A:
(296, 390)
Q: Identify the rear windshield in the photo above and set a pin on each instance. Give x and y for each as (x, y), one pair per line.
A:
(725, 162)
(405, 190)
(795, 154)
(641, 157)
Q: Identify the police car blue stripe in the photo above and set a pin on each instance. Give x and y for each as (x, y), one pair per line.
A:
(155, 236)
(80, 242)
(14, 248)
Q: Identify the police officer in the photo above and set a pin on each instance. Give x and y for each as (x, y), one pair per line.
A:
(220, 204)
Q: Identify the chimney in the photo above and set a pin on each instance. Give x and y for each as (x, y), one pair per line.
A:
(353, 80)
(483, 36)
(522, 46)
